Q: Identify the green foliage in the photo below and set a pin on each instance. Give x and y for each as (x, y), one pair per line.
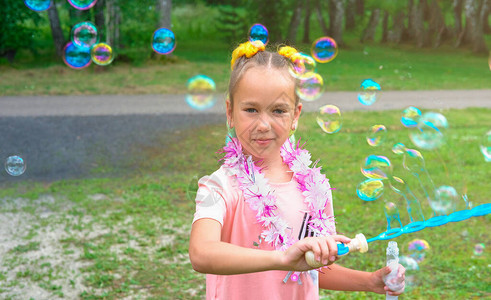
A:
(233, 23)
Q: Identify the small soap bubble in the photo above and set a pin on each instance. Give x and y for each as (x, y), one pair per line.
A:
(430, 133)
(310, 87)
(370, 189)
(201, 92)
(399, 148)
(485, 146)
(390, 209)
(376, 167)
(412, 267)
(102, 54)
(329, 119)
(259, 32)
(368, 93)
(410, 116)
(413, 161)
(302, 64)
(84, 34)
(445, 201)
(417, 249)
(82, 4)
(163, 41)
(76, 57)
(15, 165)
(479, 249)
(376, 135)
(38, 5)
(324, 49)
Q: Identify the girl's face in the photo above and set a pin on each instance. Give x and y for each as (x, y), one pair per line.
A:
(264, 111)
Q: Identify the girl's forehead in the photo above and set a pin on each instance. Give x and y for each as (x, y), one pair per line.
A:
(259, 82)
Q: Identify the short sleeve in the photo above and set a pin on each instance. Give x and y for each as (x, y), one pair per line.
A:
(329, 210)
(210, 198)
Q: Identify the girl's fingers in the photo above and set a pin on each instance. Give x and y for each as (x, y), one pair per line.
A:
(325, 252)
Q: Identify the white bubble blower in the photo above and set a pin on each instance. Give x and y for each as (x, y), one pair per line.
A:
(391, 279)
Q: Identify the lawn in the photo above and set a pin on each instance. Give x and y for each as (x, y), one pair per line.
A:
(127, 236)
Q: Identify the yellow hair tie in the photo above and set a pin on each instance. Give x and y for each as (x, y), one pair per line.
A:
(287, 51)
(249, 49)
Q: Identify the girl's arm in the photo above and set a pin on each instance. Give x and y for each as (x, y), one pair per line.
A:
(208, 254)
(343, 279)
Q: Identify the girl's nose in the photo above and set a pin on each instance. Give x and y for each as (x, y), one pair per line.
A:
(263, 124)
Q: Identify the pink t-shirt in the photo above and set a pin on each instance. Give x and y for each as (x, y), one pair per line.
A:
(220, 198)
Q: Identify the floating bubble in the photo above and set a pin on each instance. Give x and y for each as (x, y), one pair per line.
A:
(82, 4)
(259, 32)
(479, 249)
(446, 199)
(84, 34)
(329, 119)
(376, 167)
(410, 116)
(163, 41)
(486, 146)
(430, 133)
(102, 54)
(76, 57)
(38, 5)
(413, 161)
(201, 89)
(368, 93)
(302, 64)
(417, 249)
(310, 87)
(324, 49)
(376, 135)
(370, 189)
(399, 148)
(15, 165)
(408, 263)
(390, 209)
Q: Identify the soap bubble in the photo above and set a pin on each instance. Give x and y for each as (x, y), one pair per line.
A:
(446, 199)
(259, 32)
(370, 189)
(376, 167)
(84, 34)
(479, 249)
(413, 161)
(102, 54)
(399, 148)
(76, 57)
(310, 86)
(430, 133)
(417, 249)
(324, 49)
(82, 4)
(302, 64)
(163, 41)
(376, 135)
(38, 5)
(368, 93)
(329, 119)
(201, 89)
(390, 209)
(486, 146)
(15, 165)
(412, 267)
(410, 116)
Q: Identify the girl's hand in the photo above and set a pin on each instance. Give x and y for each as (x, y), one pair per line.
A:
(325, 250)
(378, 285)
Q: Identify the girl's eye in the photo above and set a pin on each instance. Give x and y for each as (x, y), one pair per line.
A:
(279, 111)
(250, 110)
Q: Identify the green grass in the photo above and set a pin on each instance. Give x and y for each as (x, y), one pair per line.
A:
(144, 216)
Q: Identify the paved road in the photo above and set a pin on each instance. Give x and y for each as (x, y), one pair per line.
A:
(68, 136)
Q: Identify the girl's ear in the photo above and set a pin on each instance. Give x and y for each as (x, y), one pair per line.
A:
(229, 113)
(296, 115)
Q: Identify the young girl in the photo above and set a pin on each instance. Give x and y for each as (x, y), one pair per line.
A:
(265, 207)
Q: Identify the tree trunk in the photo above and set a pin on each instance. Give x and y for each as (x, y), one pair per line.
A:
(306, 22)
(56, 32)
(164, 8)
(336, 23)
(350, 15)
(99, 20)
(318, 10)
(360, 7)
(369, 31)
(385, 29)
(485, 11)
(457, 13)
(112, 22)
(419, 29)
(291, 36)
(437, 28)
(472, 33)
(395, 35)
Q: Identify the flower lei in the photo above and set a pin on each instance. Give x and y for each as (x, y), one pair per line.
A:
(261, 198)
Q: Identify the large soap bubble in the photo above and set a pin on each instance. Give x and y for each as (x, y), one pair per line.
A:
(329, 119)
(310, 87)
(324, 49)
(38, 5)
(76, 57)
(84, 34)
(259, 32)
(370, 189)
(102, 54)
(376, 167)
(82, 4)
(368, 93)
(376, 135)
(446, 199)
(410, 116)
(15, 165)
(430, 131)
(417, 249)
(201, 89)
(163, 41)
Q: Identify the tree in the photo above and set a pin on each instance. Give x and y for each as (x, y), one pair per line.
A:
(336, 20)
(112, 22)
(350, 15)
(472, 34)
(306, 22)
(100, 19)
(369, 31)
(164, 8)
(291, 36)
(485, 12)
(56, 32)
